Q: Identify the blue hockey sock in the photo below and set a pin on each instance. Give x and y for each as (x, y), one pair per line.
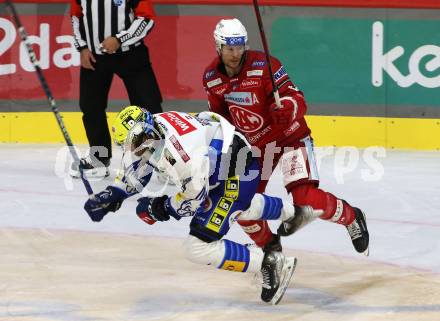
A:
(272, 208)
(236, 257)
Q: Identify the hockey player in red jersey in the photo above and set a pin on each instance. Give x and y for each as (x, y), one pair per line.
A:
(239, 88)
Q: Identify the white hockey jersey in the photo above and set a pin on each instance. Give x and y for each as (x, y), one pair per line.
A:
(184, 155)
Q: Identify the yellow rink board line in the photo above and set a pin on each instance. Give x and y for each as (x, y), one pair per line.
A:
(399, 133)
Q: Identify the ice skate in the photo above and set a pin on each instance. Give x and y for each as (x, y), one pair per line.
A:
(303, 216)
(92, 168)
(359, 233)
(276, 272)
(274, 245)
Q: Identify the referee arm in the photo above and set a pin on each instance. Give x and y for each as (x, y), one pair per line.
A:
(79, 34)
(141, 25)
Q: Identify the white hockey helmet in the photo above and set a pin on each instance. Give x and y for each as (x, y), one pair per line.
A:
(230, 32)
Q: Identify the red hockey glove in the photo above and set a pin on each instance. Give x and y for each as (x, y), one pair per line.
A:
(283, 115)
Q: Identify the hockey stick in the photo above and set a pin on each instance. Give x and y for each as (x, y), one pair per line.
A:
(53, 106)
(266, 51)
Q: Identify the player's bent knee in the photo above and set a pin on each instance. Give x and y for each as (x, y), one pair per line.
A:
(200, 252)
(255, 210)
(263, 207)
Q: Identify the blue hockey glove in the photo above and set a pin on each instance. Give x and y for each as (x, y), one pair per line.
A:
(109, 200)
(151, 210)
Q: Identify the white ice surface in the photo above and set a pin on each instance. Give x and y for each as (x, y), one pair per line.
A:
(402, 205)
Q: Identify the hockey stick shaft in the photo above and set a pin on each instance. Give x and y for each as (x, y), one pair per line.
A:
(266, 51)
(51, 100)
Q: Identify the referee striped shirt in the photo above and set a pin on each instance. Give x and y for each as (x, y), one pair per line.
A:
(95, 20)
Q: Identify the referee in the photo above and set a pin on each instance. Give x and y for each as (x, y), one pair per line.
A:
(109, 35)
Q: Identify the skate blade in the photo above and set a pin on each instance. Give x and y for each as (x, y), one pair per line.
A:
(366, 252)
(91, 174)
(288, 269)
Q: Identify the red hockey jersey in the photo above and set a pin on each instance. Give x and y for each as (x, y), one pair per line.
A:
(245, 99)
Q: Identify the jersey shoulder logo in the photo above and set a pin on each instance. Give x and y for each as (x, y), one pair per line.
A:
(210, 74)
(180, 124)
(280, 73)
(214, 82)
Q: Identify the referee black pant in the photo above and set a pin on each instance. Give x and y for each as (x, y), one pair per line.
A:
(134, 68)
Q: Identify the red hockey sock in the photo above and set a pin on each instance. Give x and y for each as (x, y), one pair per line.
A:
(335, 210)
(258, 231)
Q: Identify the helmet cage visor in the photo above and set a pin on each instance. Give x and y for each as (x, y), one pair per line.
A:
(141, 138)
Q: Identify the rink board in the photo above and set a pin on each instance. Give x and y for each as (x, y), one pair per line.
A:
(402, 133)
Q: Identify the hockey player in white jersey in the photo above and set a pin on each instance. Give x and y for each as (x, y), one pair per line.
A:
(213, 168)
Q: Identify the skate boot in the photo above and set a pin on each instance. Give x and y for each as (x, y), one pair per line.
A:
(274, 245)
(303, 216)
(359, 233)
(276, 271)
(92, 168)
